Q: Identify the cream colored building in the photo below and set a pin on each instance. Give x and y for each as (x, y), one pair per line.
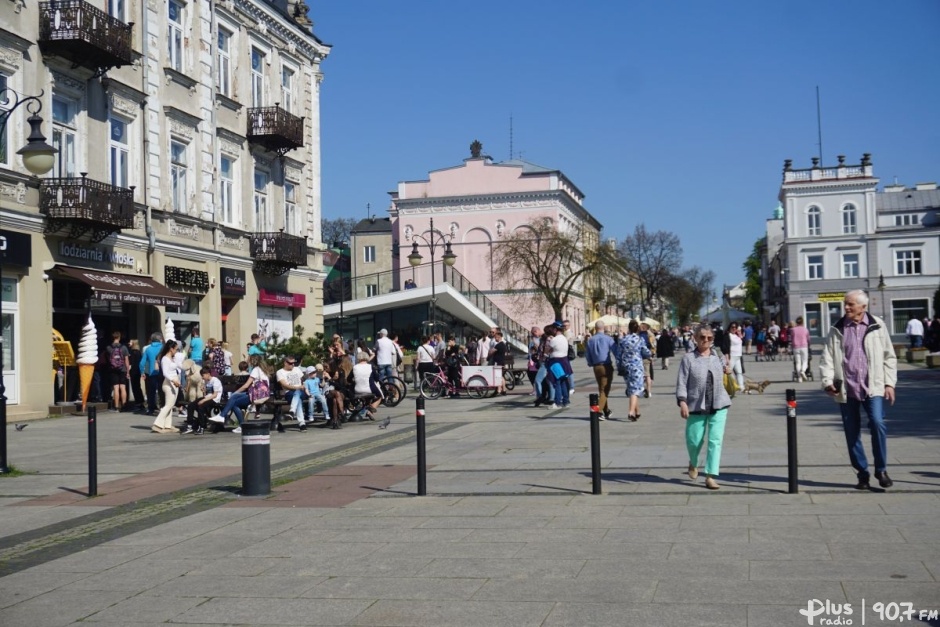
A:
(187, 182)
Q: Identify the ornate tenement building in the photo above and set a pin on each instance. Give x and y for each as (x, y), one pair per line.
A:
(186, 183)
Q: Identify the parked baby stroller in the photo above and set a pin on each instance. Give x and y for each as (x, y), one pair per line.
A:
(809, 367)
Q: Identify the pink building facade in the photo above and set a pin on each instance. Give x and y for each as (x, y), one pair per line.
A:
(475, 204)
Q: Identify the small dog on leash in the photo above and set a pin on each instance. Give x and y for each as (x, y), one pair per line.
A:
(754, 386)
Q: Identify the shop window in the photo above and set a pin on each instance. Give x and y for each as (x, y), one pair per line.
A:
(814, 319)
(901, 311)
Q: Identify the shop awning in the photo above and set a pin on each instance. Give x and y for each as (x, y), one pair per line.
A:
(123, 288)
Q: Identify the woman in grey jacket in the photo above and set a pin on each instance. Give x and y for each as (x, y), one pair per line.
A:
(703, 403)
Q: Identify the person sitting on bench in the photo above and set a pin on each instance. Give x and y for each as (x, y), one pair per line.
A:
(198, 411)
(314, 391)
(367, 387)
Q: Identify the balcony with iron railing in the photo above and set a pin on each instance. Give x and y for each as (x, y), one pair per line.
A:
(85, 35)
(381, 283)
(83, 205)
(275, 129)
(278, 252)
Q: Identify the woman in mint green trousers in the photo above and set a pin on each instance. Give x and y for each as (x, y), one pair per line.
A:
(703, 403)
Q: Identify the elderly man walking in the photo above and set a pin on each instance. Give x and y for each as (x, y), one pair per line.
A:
(859, 369)
(600, 347)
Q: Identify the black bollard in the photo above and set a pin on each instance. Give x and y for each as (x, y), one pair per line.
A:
(793, 466)
(256, 458)
(92, 451)
(594, 400)
(422, 453)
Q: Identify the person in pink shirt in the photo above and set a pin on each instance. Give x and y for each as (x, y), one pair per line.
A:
(799, 346)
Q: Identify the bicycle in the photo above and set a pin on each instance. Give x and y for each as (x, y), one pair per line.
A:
(394, 391)
(435, 384)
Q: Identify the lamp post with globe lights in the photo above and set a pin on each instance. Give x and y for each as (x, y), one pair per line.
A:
(433, 241)
(38, 157)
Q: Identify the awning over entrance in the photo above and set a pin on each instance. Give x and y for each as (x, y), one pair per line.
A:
(123, 288)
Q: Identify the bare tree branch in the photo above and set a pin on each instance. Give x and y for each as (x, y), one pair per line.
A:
(554, 264)
(655, 258)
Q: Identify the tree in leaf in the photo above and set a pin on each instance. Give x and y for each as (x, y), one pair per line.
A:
(538, 258)
(752, 277)
(687, 292)
(654, 258)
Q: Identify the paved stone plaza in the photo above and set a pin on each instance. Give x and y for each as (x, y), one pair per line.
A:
(510, 533)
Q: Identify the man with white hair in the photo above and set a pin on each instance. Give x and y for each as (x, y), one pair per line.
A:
(387, 355)
(600, 347)
(859, 369)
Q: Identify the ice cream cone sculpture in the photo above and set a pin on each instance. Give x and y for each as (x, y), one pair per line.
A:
(87, 358)
(169, 331)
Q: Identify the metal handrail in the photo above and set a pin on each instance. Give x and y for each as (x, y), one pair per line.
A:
(74, 198)
(68, 20)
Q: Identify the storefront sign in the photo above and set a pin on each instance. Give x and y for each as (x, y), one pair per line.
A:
(830, 297)
(122, 288)
(186, 280)
(16, 249)
(100, 255)
(281, 299)
(234, 282)
(275, 321)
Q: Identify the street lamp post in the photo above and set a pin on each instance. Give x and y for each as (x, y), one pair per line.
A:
(343, 247)
(38, 157)
(881, 290)
(448, 257)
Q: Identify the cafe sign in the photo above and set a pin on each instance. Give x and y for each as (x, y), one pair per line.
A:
(234, 282)
(830, 297)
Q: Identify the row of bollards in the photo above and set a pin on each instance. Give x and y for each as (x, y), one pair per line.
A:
(256, 450)
(594, 400)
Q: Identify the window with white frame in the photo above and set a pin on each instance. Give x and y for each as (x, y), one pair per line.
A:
(64, 136)
(118, 153)
(907, 219)
(174, 39)
(290, 208)
(814, 267)
(262, 181)
(849, 220)
(368, 254)
(372, 290)
(849, 265)
(907, 261)
(227, 189)
(287, 88)
(118, 9)
(257, 78)
(179, 166)
(813, 221)
(4, 104)
(224, 63)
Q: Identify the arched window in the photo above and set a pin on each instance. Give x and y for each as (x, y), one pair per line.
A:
(849, 220)
(813, 221)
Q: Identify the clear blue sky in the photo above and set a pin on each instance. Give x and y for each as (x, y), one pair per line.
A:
(674, 114)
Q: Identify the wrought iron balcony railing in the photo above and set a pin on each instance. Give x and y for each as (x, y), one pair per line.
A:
(276, 253)
(84, 205)
(84, 34)
(275, 129)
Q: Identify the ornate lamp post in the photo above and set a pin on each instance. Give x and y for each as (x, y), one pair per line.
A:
(433, 241)
(343, 247)
(881, 290)
(38, 157)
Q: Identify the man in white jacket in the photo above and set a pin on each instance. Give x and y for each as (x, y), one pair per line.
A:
(859, 369)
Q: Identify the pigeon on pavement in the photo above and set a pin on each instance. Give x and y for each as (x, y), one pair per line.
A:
(385, 423)
(20, 426)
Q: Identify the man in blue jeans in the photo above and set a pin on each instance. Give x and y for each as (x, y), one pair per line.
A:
(859, 369)
(150, 370)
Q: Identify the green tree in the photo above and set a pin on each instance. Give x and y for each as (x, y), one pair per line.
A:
(309, 351)
(687, 292)
(752, 277)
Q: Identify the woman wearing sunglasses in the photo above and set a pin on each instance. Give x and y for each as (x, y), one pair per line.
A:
(703, 403)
